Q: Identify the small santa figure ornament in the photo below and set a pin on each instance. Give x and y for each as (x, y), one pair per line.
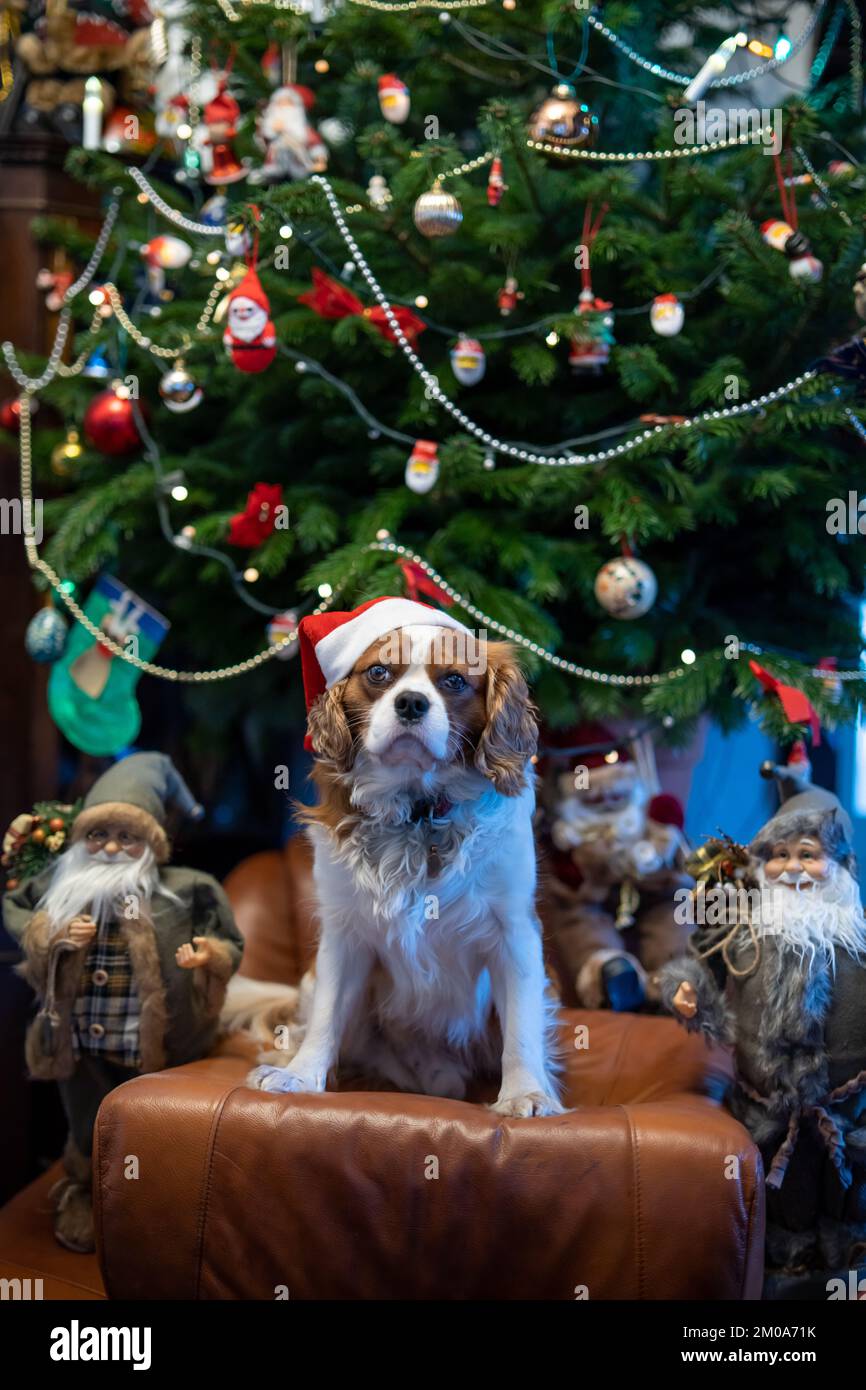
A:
(294, 148)
(468, 361)
(496, 184)
(394, 100)
(802, 265)
(508, 296)
(422, 469)
(221, 117)
(667, 315)
(249, 337)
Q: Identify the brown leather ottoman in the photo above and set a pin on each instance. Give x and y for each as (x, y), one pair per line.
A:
(647, 1190)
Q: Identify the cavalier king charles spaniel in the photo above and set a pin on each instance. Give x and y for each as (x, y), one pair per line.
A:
(429, 972)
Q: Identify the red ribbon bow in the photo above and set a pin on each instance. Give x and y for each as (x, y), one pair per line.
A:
(417, 582)
(797, 706)
(331, 300)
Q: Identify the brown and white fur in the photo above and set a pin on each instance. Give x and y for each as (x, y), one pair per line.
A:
(426, 982)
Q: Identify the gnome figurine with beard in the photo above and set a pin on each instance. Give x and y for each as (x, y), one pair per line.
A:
(130, 959)
(783, 979)
(617, 855)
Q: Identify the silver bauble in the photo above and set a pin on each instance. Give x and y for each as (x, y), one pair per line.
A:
(437, 213)
(179, 391)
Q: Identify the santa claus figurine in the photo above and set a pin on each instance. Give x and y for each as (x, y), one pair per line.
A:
(294, 148)
(778, 969)
(129, 958)
(617, 853)
(249, 337)
(220, 119)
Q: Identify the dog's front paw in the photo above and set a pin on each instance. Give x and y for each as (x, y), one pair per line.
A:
(278, 1079)
(528, 1103)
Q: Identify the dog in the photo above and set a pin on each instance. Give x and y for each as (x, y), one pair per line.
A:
(429, 972)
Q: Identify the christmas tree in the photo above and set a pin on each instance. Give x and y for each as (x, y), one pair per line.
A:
(528, 302)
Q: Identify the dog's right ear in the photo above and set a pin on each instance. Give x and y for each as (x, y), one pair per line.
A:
(328, 728)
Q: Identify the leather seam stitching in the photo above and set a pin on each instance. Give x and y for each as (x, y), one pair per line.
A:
(638, 1213)
(206, 1186)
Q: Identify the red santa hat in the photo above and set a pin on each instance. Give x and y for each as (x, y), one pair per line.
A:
(332, 642)
(222, 108)
(251, 288)
(307, 95)
(390, 82)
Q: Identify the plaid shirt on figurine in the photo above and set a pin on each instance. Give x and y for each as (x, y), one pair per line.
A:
(107, 1012)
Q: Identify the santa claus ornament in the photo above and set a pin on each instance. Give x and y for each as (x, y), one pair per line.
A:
(221, 118)
(468, 362)
(249, 337)
(422, 468)
(294, 148)
(394, 100)
(496, 184)
(802, 265)
(667, 315)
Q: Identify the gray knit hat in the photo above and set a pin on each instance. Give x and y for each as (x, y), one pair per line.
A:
(814, 811)
(136, 793)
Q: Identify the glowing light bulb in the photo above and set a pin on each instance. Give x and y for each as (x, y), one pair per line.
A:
(179, 492)
(552, 338)
(325, 591)
(421, 301)
(688, 657)
(251, 575)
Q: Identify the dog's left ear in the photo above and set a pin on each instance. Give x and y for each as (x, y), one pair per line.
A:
(510, 736)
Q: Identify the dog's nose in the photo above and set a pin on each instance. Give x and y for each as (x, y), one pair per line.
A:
(411, 706)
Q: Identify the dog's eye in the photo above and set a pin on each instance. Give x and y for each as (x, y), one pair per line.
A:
(453, 682)
(378, 674)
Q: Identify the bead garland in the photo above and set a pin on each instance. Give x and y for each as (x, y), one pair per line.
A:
(651, 156)
(53, 366)
(178, 218)
(683, 79)
(385, 546)
(490, 441)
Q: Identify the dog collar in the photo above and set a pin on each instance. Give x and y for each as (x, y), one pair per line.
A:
(428, 809)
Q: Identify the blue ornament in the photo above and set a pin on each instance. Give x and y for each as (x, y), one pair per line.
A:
(213, 212)
(46, 633)
(97, 366)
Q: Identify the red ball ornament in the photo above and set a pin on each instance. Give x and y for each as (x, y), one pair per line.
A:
(109, 424)
(10, 414)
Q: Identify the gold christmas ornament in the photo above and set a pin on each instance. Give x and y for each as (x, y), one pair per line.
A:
(563, 121)
(66, 455)
(437, 213)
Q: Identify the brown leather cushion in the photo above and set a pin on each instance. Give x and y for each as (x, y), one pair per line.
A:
(273, 899)
(628, 1195)
(28, 1249)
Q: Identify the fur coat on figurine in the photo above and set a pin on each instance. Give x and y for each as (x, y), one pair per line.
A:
(615, 861)
(783, 979)
(128, 956)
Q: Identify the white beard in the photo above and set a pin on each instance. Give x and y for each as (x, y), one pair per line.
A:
(88, 883)
(815, 921)
(611, 832)
(248, 329)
